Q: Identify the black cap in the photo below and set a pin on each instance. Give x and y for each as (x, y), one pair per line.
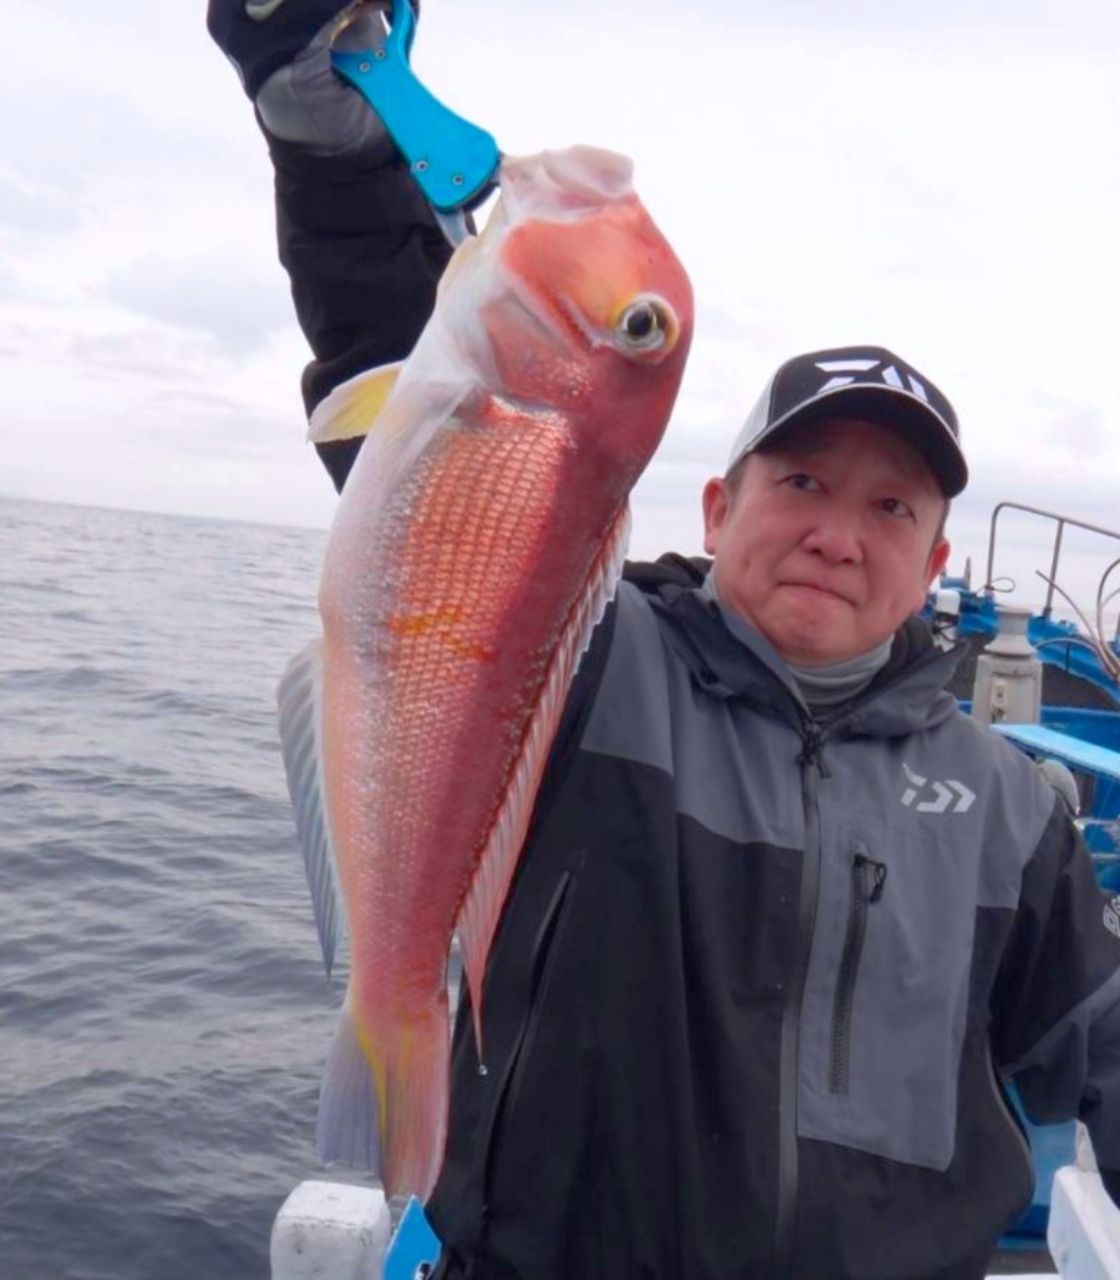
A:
(868, 383)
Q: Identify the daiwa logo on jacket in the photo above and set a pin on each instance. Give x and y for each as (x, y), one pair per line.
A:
(949, 796)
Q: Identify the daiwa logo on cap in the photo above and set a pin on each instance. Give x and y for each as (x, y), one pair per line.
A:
(844, 373)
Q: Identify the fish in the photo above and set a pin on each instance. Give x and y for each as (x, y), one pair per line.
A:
(476, 544)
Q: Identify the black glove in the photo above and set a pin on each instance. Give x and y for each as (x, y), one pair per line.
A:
(355, 234)
(281, 50)
(261, 36)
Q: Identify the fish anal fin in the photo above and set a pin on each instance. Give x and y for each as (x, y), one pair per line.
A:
(482, 906)
(352, 408)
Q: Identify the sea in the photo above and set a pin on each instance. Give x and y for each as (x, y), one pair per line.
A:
(164, 1014)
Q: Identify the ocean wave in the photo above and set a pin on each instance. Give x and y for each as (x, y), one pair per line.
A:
(164, 1007)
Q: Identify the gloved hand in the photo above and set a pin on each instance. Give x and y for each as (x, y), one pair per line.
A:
(354, 232)
(281, 50)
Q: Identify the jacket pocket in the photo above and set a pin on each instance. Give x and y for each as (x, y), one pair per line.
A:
(868, 882)
(885, 1005)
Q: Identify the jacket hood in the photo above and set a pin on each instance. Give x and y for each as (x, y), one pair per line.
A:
(728, 658)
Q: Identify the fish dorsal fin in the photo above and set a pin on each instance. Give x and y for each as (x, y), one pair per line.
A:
(353, 406)
(478, 916)
(300, 704)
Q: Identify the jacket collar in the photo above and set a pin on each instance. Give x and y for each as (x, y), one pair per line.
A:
(728, 658)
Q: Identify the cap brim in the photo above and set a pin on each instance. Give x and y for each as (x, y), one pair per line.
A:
(913, 418)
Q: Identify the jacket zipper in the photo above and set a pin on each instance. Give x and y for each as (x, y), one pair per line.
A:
(812, 770)
(868, 880)
(544, 951)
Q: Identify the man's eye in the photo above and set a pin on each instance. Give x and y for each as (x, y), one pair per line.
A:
(799, 480)
(896, 507)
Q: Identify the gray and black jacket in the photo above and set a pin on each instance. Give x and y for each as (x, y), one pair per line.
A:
(759, 980)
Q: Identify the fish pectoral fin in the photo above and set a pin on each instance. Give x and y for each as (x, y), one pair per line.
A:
(478, 917)
(300, 706)
(353, 406)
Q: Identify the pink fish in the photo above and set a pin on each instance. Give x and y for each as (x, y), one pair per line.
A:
(477, 542)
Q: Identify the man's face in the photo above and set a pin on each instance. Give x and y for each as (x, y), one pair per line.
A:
(829, 541)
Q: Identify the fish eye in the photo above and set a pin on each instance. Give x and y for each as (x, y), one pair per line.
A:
(646, 324)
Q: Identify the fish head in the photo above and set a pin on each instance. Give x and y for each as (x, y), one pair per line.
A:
(588, 310)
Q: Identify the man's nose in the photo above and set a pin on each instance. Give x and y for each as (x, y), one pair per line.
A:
(836, 539)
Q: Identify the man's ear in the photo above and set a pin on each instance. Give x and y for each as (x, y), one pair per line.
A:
(716, 501)
(938, 559)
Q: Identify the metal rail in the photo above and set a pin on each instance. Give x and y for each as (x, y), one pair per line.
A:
(1062, 522)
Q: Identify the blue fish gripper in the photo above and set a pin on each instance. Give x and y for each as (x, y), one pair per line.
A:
(454, 162)
(415, 1247)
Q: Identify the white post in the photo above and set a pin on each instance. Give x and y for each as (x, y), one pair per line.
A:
(330, 1231)
(1084, 1231)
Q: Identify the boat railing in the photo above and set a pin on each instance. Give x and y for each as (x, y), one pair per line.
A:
(1051, 579)
(1108, 831)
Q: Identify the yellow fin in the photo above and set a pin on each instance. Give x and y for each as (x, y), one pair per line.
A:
(353, 406)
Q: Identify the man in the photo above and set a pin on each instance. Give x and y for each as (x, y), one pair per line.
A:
(756, 991)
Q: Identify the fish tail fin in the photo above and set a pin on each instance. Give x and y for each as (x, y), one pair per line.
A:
(416, 1064)
(348, 1129)
(384, 1100)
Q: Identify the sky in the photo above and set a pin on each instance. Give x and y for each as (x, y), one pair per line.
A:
(941, 179)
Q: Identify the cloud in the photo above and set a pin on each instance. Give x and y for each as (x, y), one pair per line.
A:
(8, 288)
(31, 210)
(237, 303)
(1007, 23)
(925, 177)
(1072, 422)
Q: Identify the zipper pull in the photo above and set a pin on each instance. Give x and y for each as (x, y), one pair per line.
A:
(812, 740)
(878, 873)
